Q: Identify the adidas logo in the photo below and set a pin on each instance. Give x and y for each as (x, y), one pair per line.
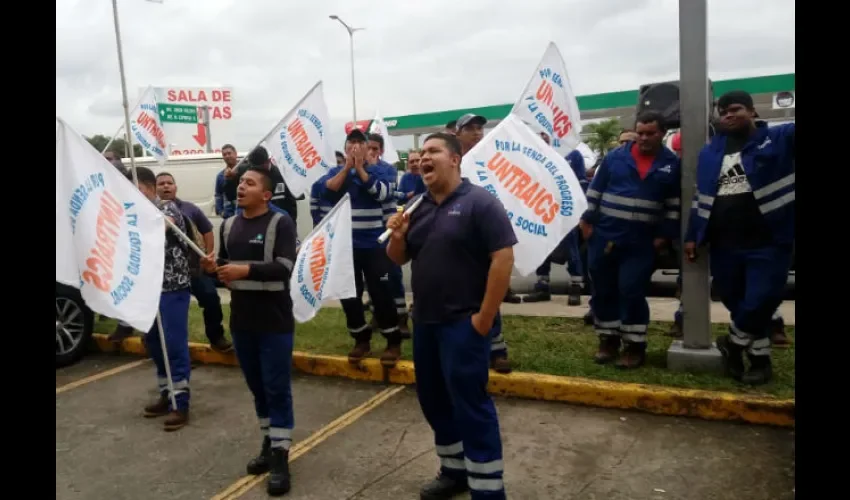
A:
(733, 175)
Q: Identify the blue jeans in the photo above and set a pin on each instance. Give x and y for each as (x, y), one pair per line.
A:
(174, 309)
(266, 362)
(203, 288)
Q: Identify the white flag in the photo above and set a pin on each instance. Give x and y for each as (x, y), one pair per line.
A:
(534, 182)
(147, 127)
(299, 144)
(324, 268)
(548, 103)
(380, 127)
(110, 239)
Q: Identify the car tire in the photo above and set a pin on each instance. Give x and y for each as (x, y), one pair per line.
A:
(74, 325)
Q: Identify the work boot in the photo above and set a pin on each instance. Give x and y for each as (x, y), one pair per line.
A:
(675, 331)
(261, 463)
(403, 327)
(360, 351)
(609, 349)
(760, 372)
(540, 293)
(501, 364)
(391, 354)
(588, 318)
(733, 356)
(176, 420)
(158, 409)
(279, 480)
(512, 298)
(121, 332)
(443, 488)
(633, 356)
(221, 345)
(778, 338)
(574, 298)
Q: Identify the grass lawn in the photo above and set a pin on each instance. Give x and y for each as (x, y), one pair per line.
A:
(557, 346)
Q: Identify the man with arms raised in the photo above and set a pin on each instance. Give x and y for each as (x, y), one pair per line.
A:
(460, 242)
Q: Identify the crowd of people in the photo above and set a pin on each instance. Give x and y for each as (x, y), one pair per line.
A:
(461, 259)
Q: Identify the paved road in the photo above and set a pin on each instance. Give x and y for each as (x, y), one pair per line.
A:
(104, 449)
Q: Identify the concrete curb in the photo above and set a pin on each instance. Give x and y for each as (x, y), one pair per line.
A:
(709, 405)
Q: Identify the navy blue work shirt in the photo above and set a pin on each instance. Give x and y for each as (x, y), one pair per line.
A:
(450, 246)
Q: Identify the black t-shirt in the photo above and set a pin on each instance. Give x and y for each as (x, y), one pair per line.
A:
(260, 311)
(736, 221)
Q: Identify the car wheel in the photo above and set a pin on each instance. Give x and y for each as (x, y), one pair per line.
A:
(74, 324)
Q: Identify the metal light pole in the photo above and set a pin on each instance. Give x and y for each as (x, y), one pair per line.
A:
(351, 32)
(696, 352)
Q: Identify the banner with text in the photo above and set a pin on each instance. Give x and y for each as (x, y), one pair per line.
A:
(535, 184)
(380, 127)
(299, 144)
(548, 103)
(147, 127)
(110, 239)
(324, 268)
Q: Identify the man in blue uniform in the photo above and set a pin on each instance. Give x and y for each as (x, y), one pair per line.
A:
(633, 209)
(411, 182)
(174, 311)
(744, 208)
(461, 243)
(369, 186)
(567, 250)
(225, 193)
(255, 261)
(470, 131)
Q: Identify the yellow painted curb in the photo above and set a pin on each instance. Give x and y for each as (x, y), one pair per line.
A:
(659, 400)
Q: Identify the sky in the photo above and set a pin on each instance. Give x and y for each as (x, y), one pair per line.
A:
(412, 57)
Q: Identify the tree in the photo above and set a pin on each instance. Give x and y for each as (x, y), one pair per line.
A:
(603, 135)
(118, 146)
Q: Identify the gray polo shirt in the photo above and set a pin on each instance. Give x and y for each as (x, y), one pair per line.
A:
(450, 246)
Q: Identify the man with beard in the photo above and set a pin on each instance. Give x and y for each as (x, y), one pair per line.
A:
(470, 131)
(633, 209)
(460, 245)
(744, 208)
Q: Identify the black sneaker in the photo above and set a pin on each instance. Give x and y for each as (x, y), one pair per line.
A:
(574, 298)
(760, 372)
(279, 480)
(221, 345)
(512, 298)
(538, 296)
(733, 357)
(442, 488)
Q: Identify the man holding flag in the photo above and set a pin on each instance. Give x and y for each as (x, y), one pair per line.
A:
(174, 310)
(256, 257)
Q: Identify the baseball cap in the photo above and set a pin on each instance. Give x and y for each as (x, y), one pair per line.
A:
(356, 135)
(469, 119)
(736, 97)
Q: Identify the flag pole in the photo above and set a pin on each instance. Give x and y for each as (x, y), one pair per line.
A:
(128, 134)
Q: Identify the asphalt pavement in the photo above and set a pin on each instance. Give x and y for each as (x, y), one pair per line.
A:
(357, 441)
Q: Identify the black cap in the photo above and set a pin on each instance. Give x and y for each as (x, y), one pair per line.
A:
(356, 135)
(469, 119)
(258, 156)
(736, 97)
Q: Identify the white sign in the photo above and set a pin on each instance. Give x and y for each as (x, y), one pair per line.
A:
(147, 128)
(110, 240)
(191, 138)
(299, 144)
(534, 182)
(324, 267)
(380, 127)
(785, 100)
(548, 103)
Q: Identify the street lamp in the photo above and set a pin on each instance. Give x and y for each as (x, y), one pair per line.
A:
(350, 31)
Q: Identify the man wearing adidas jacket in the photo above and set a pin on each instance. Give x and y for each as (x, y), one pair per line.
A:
(370, 187)
(744, 208)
